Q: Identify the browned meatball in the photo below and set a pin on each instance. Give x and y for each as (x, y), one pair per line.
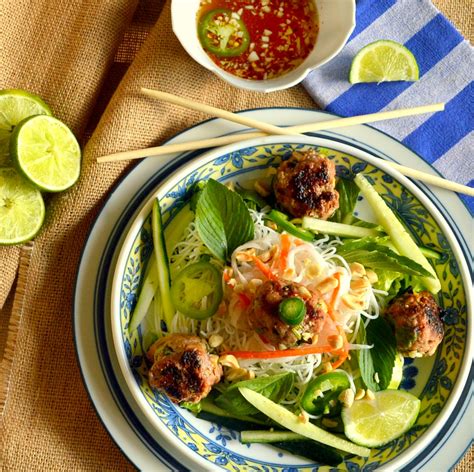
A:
(265, 319)
(304, 185)
(418, 327)
(183, 368)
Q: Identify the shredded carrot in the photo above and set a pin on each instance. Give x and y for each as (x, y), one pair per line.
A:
(285, 249)
(344, 352)
(263, 268)
(343, 355)
(303, 351)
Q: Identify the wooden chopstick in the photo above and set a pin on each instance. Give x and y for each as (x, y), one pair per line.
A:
(216, 112)
(293, 130)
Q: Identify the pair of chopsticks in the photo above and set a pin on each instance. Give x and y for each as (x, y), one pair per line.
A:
(269, 129)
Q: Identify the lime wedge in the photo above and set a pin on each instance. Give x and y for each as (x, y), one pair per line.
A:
(373, 423)
(46, 152)
(15, 106)
(383, 61)
(21, 208)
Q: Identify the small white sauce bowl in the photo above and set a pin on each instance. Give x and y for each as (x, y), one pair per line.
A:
(336, 23)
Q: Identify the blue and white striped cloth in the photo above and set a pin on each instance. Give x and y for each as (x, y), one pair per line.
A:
(446, 61)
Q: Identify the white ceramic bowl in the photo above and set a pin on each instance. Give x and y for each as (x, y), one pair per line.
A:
(336, 23)
(438, 380)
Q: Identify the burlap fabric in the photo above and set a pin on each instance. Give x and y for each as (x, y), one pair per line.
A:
(47, 422)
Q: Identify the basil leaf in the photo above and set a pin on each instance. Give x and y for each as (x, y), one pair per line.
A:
(222, 219)
(274, 387)
(379, 257)
(380, 359)
(348, 193)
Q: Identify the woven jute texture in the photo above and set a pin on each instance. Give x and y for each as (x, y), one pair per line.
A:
(48, 422)
(58, 50)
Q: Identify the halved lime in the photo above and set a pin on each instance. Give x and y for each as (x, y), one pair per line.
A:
(15, 106)
(373, 423)
(46, 152)
(21, 208)
(384, 61)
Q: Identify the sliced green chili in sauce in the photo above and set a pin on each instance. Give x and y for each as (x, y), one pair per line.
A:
(196, 291)
(223, 34)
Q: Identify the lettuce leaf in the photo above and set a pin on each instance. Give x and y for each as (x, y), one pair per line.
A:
(379, 257)
(348, 193)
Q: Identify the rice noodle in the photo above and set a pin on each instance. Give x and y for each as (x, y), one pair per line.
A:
(303, 258)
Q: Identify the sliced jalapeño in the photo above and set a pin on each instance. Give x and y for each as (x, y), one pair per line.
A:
(321, 394)
(223, 33)
(196, 291)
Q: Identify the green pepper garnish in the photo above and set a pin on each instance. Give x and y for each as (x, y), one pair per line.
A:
(223, 34)
(320, 396)
(194, 284)
(282, 221)
(292, 310)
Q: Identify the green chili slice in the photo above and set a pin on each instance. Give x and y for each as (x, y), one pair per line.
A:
(282, 221)
(292, 310)
(223, 34)
(196, 291)
(320, 396)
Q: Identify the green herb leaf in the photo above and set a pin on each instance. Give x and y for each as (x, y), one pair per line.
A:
(348, 193)
(192, 407)
(274, 387)
(379, 257)
(251, 198)
(222, 219)
(380, 360)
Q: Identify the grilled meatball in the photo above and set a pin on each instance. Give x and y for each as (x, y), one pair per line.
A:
(418, 326)
(304, 185)
(183, 368)
(266, 321)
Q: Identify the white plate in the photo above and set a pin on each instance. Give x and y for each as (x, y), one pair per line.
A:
(107, 388)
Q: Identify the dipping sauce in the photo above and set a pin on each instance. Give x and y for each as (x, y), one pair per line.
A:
(258, 39)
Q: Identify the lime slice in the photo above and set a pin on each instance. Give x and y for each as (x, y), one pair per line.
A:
(46, 152)
(373, 423)
(21, 208)
(397, 372)
(15, 106)
(383, 61)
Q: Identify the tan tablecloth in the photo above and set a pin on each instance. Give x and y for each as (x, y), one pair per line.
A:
(47, 420)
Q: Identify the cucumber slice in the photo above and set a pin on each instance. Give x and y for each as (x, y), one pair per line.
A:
(294, 443)
(162, 264)
(147, 292)
(404, 243)
(430, 253)
(268, 436)
(174, 231)
(310, 450)
(338, 229)
(290, 421)
(173, 234)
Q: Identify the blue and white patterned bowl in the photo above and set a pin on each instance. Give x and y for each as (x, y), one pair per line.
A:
(437, 381)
